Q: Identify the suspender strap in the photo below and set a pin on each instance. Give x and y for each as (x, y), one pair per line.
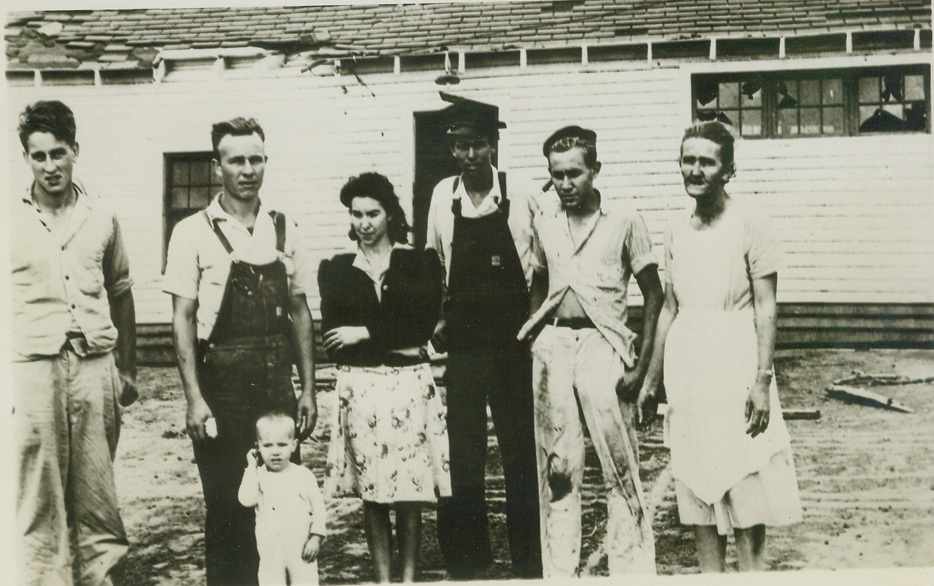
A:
(218, 232)
(277, 218)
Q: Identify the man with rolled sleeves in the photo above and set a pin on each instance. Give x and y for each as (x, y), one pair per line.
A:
(483, 239)
(236, 273)
(74, 362)
(585, 368)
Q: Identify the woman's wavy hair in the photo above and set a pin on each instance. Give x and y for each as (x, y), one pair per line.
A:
(378, 187)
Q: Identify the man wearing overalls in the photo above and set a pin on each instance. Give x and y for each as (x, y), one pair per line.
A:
(484, 240)
(236, 275)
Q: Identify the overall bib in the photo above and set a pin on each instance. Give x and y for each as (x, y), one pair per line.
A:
(487, 303)
(245, 369)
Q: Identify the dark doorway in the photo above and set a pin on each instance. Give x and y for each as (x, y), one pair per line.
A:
(433, 162)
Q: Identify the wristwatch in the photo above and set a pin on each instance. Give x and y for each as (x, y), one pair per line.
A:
(770, 372)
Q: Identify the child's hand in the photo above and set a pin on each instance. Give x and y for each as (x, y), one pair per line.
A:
(251, 458)
(310, 551)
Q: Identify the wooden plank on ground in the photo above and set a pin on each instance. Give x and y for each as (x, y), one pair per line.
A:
(868, 398)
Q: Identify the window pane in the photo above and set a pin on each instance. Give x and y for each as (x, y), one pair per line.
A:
(200, 197)
(809, 93)
(810, 120)
(179, 173)
(916, 116)
(869, 90)
(914, 87)
(787, 122)
(179, 197)
(729, 95)
(200, 173)
(751, 94)
(752, 123)
(730, 117)
(833, 91)
(896, 110)
(787, 94)
(833, 121)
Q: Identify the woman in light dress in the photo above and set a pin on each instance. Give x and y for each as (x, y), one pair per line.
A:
(379, 307)
(730, 452)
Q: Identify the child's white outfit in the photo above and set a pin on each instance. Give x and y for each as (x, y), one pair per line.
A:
(289, 508)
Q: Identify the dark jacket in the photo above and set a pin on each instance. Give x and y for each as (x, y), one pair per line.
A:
(404, 318)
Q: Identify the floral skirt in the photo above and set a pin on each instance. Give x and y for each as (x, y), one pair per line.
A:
(389, 441)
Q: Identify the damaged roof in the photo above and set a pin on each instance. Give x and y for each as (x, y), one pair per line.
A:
(130, 39)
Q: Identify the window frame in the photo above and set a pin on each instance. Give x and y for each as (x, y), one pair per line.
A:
(849, 77)
(171, 216)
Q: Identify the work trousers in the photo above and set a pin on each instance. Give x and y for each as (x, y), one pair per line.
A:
(574, 380)
(66, 424)
(501, 376)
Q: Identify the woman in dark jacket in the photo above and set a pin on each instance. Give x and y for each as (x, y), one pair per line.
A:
(379, 307)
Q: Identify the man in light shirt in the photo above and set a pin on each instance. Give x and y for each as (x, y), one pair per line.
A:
(585, 368)
(236, 272)
(74, 362)
(483, 237)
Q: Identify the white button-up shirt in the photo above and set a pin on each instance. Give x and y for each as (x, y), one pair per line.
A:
(63, 281)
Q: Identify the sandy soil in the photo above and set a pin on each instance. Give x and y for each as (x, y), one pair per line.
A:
(866, 477)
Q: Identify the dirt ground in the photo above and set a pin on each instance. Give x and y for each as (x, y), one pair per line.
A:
(866, 477)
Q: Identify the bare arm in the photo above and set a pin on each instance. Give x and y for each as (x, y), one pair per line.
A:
(184, 336)
(123, 315)
(248, 494)
(653, 295)
(303, 336)
(653, 376)
(758, 405)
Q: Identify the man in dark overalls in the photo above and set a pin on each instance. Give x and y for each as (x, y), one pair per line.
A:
(240, 320)
(484, 239)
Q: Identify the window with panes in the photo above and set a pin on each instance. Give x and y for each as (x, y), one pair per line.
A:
(831, 102)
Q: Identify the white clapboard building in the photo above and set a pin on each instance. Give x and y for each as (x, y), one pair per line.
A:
(833, 98)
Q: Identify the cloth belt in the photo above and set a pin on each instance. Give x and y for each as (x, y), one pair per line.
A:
(575, 323)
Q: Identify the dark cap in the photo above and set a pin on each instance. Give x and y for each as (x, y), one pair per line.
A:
(466, 117)
(569, 132)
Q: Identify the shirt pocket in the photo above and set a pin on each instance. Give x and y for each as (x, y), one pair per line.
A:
(89, 274)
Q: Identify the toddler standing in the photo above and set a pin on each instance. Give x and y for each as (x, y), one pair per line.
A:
(290, 511)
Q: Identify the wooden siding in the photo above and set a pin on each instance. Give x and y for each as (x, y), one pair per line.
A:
(856, 214)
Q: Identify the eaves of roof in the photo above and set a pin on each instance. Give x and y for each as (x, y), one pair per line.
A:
(63, 39)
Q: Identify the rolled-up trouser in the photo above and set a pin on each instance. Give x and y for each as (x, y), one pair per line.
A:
(240, 381)
(574, 377)
(66, 424)
(502, 376)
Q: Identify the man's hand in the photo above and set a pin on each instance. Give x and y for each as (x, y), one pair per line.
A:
(344, 336)
(307, 416)
(627, 388)
(129, 393)
(310, 551)
(757, 408)
(198, 413)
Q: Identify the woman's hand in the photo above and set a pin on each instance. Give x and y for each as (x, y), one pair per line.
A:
(758, 406)
(344, 336)
(647, 402)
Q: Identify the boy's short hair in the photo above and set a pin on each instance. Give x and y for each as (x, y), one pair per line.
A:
(276, 416)
(49, 116)
(234, 127)
(716, 132)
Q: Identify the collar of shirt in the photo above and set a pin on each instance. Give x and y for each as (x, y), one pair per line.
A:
(247, 245)
(83, 207)
(375, 273)
(490, 203)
